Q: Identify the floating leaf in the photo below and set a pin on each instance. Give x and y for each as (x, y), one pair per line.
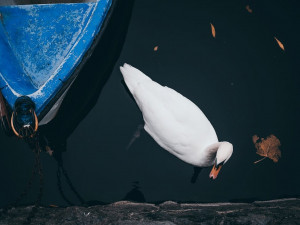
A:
(268, 148)
(279, 43)
(155, 48)
(49, 150)
(53, 206)
(213, 30)
(249, 9)
(255, 138)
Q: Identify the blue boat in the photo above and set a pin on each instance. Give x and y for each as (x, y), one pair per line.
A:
(42, 48)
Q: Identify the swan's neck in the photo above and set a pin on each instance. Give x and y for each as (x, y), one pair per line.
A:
(211, 152)
(212, 149)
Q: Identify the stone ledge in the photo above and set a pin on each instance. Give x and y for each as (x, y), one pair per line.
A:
(282, 211)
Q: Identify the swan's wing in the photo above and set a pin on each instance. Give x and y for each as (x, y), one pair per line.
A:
(149, 93)
(172, 119)
(175, 122)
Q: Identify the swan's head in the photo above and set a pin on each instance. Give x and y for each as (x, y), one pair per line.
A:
(224, 153)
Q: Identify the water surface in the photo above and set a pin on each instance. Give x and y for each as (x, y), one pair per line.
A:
(243, 82)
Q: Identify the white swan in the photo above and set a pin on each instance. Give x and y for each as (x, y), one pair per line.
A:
(176, 123)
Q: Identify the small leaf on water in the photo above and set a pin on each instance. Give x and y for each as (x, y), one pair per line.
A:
(279, 43)
(155, 48)
(249, 9)
(213, 30)
(268, 147)
(49, 150)
(255, 138)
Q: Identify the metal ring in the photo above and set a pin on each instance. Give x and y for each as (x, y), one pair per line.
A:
(36, 123)
(13, 127)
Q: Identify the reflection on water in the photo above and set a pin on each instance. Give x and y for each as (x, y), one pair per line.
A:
(87, 88)
(196, 173)
(136, 135)
(135, 194)
(85, 92)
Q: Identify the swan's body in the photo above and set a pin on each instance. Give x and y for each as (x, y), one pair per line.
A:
(173, 121)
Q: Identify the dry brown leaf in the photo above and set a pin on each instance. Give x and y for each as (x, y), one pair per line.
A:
(279, 43)
(249, 9)
(268, 148)
(255, 138)
(213, 30)
(155, 48)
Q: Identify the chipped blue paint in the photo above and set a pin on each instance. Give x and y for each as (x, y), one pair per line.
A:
(41, 46)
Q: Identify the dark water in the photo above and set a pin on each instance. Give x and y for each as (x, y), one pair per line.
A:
(242, 81)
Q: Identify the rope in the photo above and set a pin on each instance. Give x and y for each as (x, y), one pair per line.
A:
(61, 170)
(23, 194)
(37, 169)
(60, 187)
(41, 187)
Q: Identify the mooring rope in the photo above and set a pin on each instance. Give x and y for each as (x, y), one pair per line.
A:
(41, 187)
(61, 170)
(37, 169)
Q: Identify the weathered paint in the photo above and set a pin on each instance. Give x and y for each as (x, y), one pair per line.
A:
(31, 2)
(41, 45)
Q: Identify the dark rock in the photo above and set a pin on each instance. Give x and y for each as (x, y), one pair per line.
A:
(284, 211)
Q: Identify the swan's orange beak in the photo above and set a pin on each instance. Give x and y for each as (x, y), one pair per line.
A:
(215, 171)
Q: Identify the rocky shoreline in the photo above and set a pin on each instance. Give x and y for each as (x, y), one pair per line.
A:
(282, 211)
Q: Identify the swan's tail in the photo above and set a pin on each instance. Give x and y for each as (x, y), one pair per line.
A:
(132, 76)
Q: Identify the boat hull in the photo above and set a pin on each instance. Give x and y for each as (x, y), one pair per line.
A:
(44, 46)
